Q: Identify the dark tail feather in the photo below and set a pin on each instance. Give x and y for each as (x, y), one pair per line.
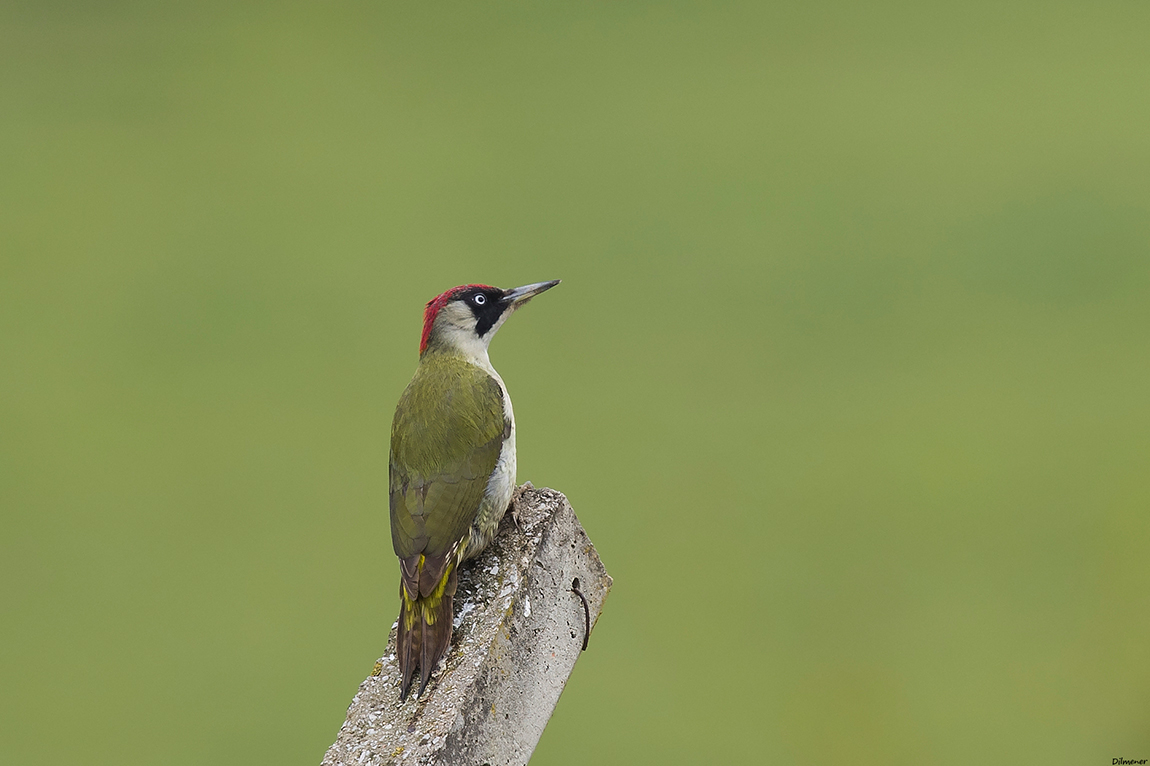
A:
(436, 639)
(437, 635)
(407, 642)
(426, 642)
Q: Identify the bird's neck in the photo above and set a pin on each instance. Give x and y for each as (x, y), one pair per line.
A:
(473, 351)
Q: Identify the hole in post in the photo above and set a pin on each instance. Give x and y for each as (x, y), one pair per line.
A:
(575, 583)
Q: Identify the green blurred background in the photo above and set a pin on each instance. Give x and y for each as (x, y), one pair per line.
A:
(847, 378)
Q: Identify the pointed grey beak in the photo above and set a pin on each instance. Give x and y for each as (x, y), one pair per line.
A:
(520, 295)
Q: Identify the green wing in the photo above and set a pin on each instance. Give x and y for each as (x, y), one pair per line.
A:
(445, 441)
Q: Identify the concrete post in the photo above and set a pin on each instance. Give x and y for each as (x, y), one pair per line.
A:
(519, 628)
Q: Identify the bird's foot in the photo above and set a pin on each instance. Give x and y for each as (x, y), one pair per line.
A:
(513, 506)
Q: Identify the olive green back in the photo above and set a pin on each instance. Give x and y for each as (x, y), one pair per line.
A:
(445, 441)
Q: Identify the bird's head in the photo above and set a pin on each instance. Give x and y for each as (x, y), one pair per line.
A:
(465, 318)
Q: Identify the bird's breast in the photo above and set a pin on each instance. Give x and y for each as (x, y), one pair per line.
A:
(501, 482)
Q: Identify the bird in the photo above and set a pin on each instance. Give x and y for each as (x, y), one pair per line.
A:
(451, 464)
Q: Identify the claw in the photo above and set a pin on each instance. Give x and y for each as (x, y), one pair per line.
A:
(513, 506)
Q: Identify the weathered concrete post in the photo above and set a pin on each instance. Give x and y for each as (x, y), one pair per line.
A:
(522, 613)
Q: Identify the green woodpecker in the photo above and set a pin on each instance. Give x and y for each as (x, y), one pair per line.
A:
(452, 464)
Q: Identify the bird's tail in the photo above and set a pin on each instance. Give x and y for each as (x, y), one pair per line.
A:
(424, 631)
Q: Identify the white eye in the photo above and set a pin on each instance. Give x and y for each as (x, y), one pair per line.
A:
(480, 299)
